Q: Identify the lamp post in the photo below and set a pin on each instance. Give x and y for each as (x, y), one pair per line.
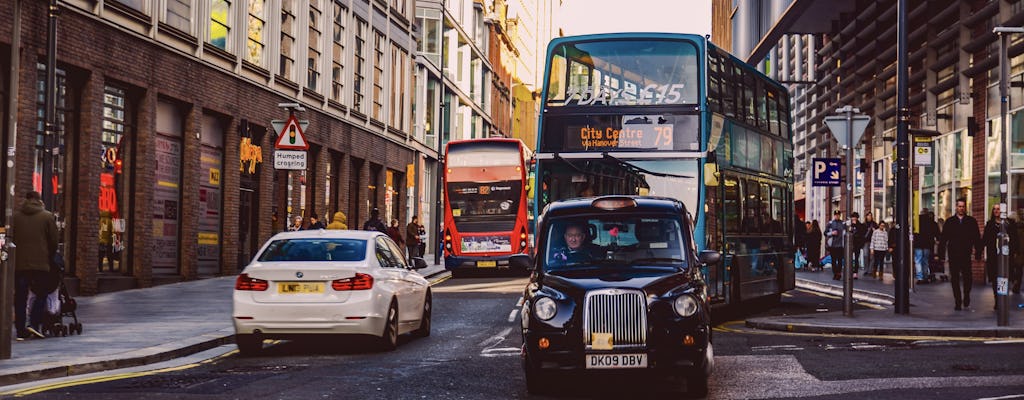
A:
(7, 250)
(902, 259)
(1003, 241)
(439, 244)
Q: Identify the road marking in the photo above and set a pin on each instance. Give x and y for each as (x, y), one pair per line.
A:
(1005, 341)
(501, 352)
(495, 339)
(788, 347)
(512, 315)
(727, 327)
(1012, 396)
(519, 303)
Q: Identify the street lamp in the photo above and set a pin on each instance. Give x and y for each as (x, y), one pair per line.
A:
(439, 247)
(1003, 242)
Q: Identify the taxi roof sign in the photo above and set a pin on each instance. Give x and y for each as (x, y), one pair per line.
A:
(291, 137)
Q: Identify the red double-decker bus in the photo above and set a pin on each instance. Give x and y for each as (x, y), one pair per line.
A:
(485, 202)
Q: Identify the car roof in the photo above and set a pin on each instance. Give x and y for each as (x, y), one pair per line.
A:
(586, 205)
(328, 234)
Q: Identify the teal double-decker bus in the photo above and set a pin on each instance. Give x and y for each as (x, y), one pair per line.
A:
(672, 115)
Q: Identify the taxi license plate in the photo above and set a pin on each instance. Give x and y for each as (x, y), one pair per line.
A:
(487, 264)
(613, 361)
(300, 287)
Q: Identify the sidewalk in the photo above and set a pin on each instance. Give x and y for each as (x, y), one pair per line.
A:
(931, 311)
(138, 327)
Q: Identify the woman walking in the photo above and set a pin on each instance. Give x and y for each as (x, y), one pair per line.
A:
(879, 249)
(813, 241)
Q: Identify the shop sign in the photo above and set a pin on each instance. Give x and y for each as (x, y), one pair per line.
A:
(250, 153)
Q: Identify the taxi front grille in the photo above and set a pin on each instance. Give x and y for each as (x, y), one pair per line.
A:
(619, 312)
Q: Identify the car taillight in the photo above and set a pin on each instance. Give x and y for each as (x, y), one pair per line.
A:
(358, 282)
(245, 282)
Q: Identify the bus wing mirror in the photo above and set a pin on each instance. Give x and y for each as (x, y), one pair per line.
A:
(711, 174)
(709, 257)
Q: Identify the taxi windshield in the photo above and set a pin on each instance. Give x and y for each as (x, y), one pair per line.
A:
(634, 240)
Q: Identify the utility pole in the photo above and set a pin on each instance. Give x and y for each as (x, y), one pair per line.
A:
(1003, 241)
(901, 260)
(50, 130)
(7, 250)
(438, 209)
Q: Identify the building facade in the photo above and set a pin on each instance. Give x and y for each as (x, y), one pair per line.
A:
(164, 161)
(845, 54)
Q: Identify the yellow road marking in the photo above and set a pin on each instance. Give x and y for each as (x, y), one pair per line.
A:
(128, 375)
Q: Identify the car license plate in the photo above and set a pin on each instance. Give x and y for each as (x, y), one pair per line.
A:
(612, 361)
(300, 287)
(487, 264)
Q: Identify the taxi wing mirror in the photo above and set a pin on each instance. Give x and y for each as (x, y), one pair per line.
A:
(709, 257)
(521, 261)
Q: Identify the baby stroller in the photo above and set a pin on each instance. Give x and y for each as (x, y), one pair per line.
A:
(60, 305)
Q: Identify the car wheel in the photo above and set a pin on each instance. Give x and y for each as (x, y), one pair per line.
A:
(248, 345)
(697, 385)
(424, 329)
(389, 338)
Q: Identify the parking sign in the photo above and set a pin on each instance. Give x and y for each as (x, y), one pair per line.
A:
(825, 172)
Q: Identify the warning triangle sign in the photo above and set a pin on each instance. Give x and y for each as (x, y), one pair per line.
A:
(291, 137)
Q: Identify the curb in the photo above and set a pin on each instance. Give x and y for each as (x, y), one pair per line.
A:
(766, 324)
(866, 296)
(105, 365)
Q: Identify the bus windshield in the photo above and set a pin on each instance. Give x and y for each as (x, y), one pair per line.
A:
(565, 178)
(641, 71)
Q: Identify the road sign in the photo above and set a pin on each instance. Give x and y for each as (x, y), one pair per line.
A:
(825, 172)
(837, 124)
(289, 159)
(290, 136)
(922, 153)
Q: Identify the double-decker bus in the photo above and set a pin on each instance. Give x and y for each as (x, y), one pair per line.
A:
(485, 203)
(672, 115)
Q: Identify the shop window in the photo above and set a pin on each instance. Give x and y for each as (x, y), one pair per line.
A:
(115, 214)
(166, 205)
(211, 156)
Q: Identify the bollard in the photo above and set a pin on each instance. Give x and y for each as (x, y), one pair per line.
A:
(1002, 283)
(6, 294)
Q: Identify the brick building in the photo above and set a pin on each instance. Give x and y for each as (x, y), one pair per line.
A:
(165, 163)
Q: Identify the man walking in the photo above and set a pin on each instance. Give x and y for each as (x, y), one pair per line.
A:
(859, 230)
(374, 223)
(835, 236)
(960, 236)
(35, 234)
(412, 238)
(990, 239)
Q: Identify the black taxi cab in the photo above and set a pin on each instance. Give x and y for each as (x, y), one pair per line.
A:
(616, 287)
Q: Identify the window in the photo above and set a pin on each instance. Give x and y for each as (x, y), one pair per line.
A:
(378, 75)
(254, 31)
(430, 22)
(358, 72)
(220, 23)
(287, 38)
(338, 55)
(313, 61)
(179, 15)
(399, 5)
(138, 5)
(731, 205)
(399, 71)
(114, 216)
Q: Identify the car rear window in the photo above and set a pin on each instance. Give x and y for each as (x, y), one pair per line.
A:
(318, 249)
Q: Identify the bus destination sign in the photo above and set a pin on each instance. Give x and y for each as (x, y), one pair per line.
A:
(647, 136)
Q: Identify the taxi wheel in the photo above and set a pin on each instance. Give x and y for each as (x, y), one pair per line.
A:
(424, 329)
(248, 345)
(697, 385)
(389, 339)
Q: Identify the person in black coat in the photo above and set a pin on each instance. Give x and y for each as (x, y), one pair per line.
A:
(960, 236)
(990, 239)
(813, 242)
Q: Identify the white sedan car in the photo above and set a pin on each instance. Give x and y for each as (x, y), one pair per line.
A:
(325, 282)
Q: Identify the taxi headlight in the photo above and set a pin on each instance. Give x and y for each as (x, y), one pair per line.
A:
(685, 305)
(544, 308)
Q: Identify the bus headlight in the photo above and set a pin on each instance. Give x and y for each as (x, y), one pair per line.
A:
(545, 308)
(685, 305)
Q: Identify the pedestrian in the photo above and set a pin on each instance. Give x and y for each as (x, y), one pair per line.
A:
(412, 238)
(859, 230)
(871, 225)
(340, 221)
(879, 249)
(315, 222)
(960, 236)
(395, 233)
(835, 236)
(374, 223)
(813, 242)
(296, 224)
(799, 233)
(34, 231)
(990, 239)
(924, 244)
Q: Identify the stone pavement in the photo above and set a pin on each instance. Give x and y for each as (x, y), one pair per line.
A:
(137, 327)
(931, 311)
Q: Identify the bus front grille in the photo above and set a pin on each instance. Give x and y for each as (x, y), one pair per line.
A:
(619, 312)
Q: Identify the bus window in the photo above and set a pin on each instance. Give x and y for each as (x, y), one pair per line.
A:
(731, 205)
